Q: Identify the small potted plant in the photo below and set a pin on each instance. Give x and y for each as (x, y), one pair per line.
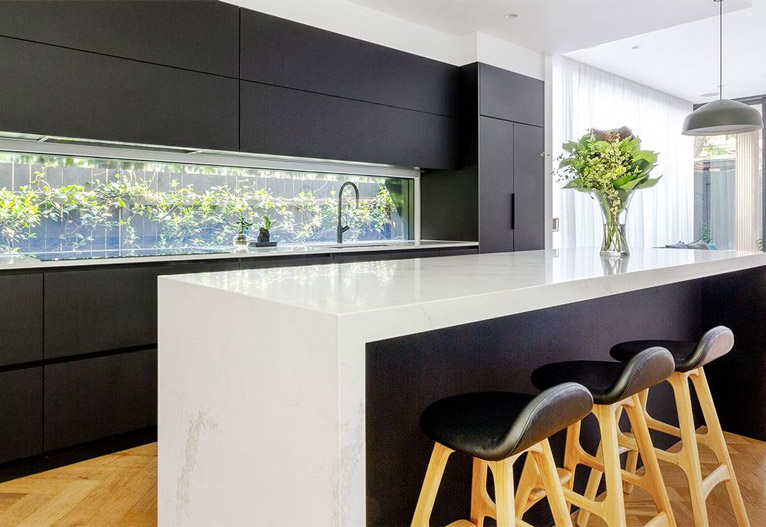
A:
(241, 240)
(264, 236)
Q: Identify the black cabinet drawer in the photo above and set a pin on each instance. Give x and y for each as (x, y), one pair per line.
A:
(361, 257)
(21, 324)
(21, 413)
(56, 91)
(284, 261)
(191, 34)
(90, 310)
(510, 96)
(285, 53)
(414, 253)
(458, 251)
(99, 397)
(290, 122)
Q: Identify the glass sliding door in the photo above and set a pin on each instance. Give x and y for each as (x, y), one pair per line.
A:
(729, 191)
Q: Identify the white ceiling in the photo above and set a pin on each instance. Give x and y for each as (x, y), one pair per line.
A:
(683, 60)
(551, 26)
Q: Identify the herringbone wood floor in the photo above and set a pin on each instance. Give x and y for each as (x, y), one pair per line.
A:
(120, 490)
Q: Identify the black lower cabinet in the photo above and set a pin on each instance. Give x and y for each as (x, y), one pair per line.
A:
(21, 303)
(108, 308)
(21, 418)
(94, 398)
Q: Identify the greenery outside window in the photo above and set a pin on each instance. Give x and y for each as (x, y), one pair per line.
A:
(56, 203)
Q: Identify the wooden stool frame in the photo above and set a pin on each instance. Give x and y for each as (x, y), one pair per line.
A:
(688, 457)
(504, 509)
(607, 461)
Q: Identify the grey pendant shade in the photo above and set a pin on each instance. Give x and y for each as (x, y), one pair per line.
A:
(722, 117)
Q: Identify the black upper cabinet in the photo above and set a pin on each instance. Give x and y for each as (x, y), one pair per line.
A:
(21, 325)
(496, 156)
(200, 35)
(56, 91)
(284, 121)
(285, 53)
(510, 96)
(529, 183)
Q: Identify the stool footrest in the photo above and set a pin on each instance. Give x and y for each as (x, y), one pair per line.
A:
(538, 492)
(719, 475)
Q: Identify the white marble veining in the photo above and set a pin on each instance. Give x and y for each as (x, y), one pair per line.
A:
(16, 261)
(262, 376)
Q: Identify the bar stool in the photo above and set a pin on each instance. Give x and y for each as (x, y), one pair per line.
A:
(496, 428)
(690, 357)
(615, 387)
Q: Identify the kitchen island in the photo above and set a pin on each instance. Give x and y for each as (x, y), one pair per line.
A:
(290, 396)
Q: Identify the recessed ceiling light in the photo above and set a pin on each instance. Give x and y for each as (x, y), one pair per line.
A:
(709, 94)
(637, 46)
(510, 16)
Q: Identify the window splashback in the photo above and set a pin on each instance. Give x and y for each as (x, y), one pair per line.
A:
(52, 202)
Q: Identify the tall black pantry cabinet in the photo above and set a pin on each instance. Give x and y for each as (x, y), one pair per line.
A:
(497, 196)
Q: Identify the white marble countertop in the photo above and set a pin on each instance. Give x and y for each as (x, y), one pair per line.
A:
(550, 277)
(16, 261)
(255, 364)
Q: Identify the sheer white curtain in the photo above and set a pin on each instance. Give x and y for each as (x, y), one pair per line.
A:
(585, 97)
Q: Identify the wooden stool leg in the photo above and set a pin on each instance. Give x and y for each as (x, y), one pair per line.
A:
(552, 485)
(655, 484)
(591, 489)
(631, 464)
(502, 471)
(717, 443)
(481, 504)
(615, 502)
(431, 483)
(529, 476)
(689, 459)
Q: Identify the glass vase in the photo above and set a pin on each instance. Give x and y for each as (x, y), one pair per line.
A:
(614, 211)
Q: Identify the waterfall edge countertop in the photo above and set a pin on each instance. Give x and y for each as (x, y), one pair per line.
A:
(262, 388)
(17, 261)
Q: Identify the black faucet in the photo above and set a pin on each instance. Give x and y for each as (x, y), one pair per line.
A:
(341, 228)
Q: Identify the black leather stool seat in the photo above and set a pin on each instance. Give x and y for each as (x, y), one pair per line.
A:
(496, 425)
(687, 355)
(609, 382)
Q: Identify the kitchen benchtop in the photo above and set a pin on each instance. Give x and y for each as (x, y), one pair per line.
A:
(17, 261)
(514, 282)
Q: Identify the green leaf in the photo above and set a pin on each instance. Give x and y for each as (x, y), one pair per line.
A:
(649, 183)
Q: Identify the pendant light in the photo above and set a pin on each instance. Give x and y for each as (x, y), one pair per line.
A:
(722, 117)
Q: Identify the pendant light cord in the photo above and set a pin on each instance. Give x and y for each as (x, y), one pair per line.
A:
(720, 49)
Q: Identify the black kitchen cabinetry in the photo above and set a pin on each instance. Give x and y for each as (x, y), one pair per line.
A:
(283, 53)
(200, 35)
(99, 397)
(107, 308)
(297, 123)
(510, 96)
(56, 91)
(21, 303)
(21, 414)
(497, 195)
(97, 375)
